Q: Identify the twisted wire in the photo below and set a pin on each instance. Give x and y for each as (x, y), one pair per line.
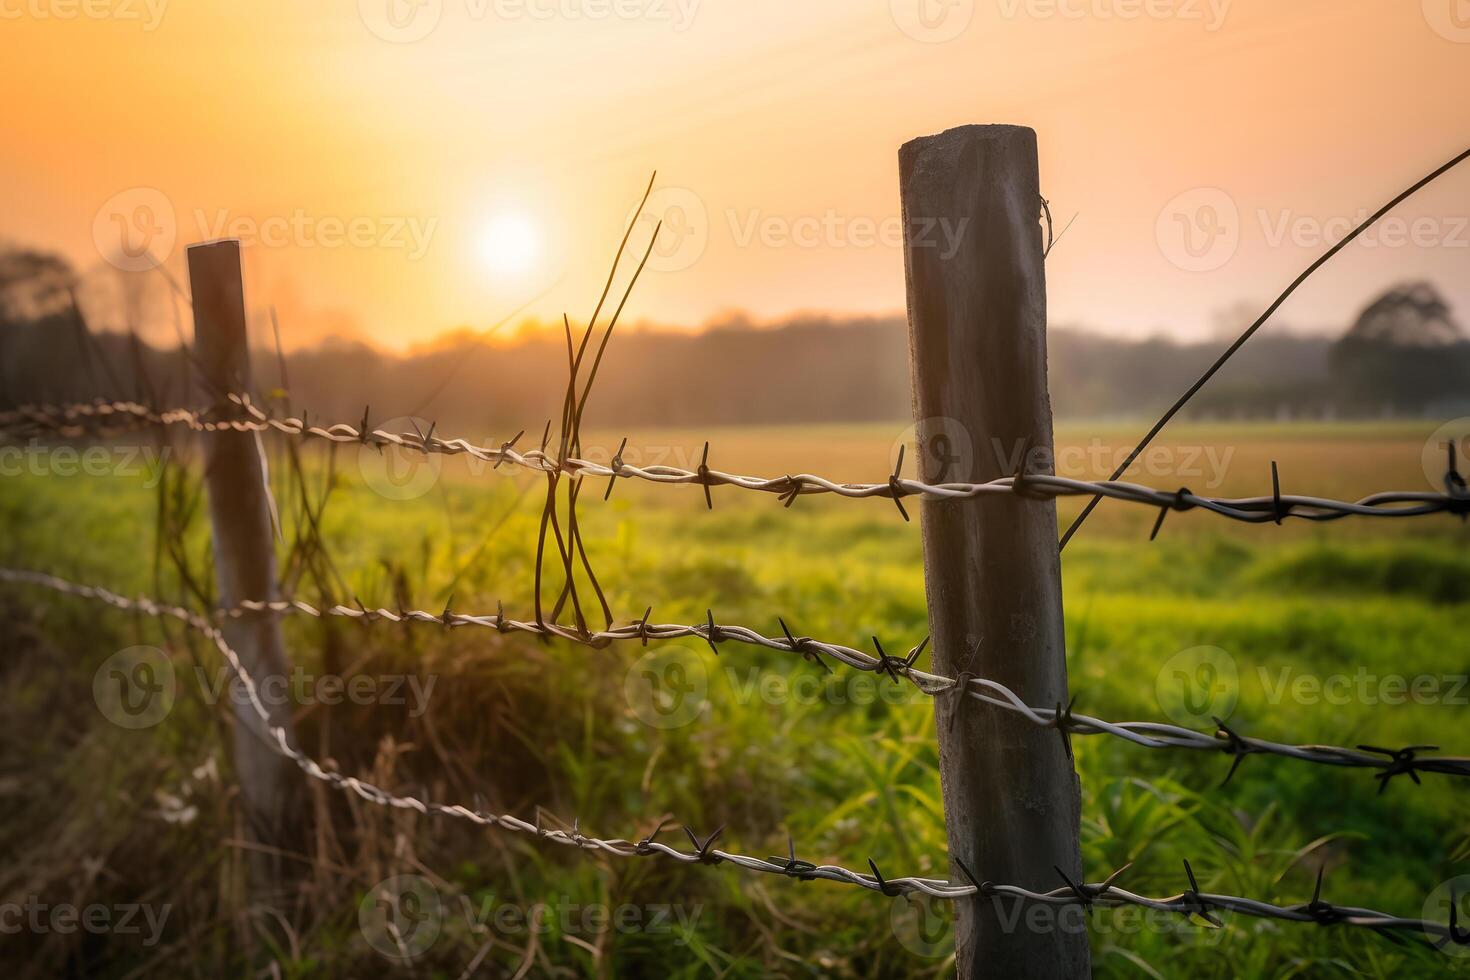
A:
(1105, 894)
(98, 418)
(1148, 734)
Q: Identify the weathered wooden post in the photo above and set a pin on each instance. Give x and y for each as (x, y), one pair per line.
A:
(244, 555)
(977, 339)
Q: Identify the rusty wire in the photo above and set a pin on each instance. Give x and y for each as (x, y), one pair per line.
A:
(1189, 903)
(241, 414)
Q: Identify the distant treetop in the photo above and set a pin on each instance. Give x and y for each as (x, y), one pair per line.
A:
(1411, 315)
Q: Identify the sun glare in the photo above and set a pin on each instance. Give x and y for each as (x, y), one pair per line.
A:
(510, 244)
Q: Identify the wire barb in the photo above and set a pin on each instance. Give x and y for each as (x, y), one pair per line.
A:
(895, 488)
(1404, 763)
(704, 849)
(92, 420)
(1235, 746)
(800, 870)
(1179, 503)
(1193, 903)
(967, 685)
(803, 646)
(617, 468)
(712, 634)
(704, 477)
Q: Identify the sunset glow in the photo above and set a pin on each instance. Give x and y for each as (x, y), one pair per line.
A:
(386, 139)
(510, 245)
(447, 448)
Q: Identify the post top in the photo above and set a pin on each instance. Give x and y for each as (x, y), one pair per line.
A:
(215, 243)
(958, 136)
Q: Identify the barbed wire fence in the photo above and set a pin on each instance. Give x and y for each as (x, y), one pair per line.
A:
(99, 419)
(1105, 894)
(564, 468)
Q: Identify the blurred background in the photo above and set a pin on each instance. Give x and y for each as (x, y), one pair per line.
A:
(424, 188)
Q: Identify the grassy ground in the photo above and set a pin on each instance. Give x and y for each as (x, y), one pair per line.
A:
(94, 813)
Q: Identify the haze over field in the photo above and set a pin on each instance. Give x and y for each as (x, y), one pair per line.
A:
(400, 173)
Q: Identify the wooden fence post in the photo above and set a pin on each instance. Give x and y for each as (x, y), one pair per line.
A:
(244, 555)
(977, 339)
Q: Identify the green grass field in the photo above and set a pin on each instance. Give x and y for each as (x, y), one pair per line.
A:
(847, 768)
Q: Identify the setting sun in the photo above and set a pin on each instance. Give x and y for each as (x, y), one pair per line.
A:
(510, 244)
(386, 386)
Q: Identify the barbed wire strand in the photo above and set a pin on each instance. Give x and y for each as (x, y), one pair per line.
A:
(1189, 903)
(1250, 332)
(1389, 763)
(74, 420)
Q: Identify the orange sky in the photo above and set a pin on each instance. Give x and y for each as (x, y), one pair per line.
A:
(369, 168)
